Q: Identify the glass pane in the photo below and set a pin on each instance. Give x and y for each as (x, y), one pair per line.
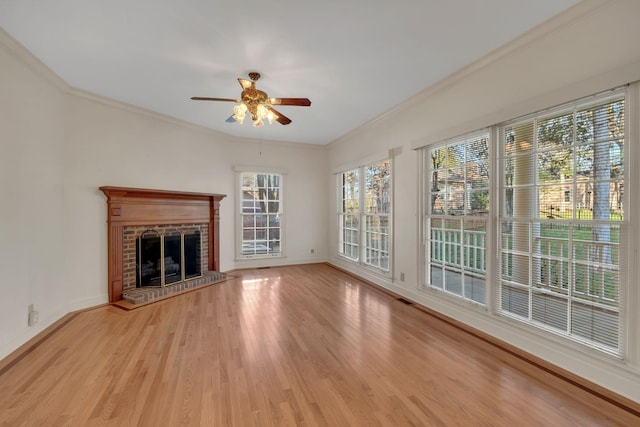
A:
(550, 310)
(436, 278)
(552, 240)
(551, 274)
(377, 177)
(601, 121)
(478, 202)
(453, 280)
(474, 287)
(518, 138)
(192, 257)
(172, 258)
(597, 243)
(555, 131)
(149, 259)
(477, 161)
(556, 201)
(475, 257)
(594, 323)
(273, 220)
(515, 300)
(248, 234)
(515, 268)
(442, 158)
(555, 166)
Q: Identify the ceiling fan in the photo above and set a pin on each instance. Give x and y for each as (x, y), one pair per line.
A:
(257, 103)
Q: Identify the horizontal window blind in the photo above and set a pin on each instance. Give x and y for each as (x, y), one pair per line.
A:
(457, 193)
(562, 223)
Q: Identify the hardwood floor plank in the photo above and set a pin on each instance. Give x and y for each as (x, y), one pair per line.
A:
(300, 345)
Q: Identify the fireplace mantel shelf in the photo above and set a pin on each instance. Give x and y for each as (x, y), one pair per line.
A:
(128, 206)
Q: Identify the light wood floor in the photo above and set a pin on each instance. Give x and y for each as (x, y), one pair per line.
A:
(302, 345)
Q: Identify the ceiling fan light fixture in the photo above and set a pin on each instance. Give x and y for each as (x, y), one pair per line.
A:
(239, 111)
(271, 116)
(261, 113)
(257, 103)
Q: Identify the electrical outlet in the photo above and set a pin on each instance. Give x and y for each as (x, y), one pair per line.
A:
(313, 251)
(32, 317)
(402, 277)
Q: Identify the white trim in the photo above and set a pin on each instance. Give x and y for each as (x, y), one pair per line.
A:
(238, 217)
(261, 169)
(621, 76)
(388, 273)
(629, 295)
(545, 29)
(372, 158)
(631, 288)
(31, 61)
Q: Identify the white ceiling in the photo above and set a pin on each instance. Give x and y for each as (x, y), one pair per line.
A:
(355, 59)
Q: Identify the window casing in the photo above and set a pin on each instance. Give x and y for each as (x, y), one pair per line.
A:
(261, 215)
(560, 224)
(349, 214)
(364, 215)
(562, 221)
(457, 196)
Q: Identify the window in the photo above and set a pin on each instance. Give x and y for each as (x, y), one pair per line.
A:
(456, 222)
(364, 217)
(562, 219)
(261, 214)
(349, 219)
(559, 247)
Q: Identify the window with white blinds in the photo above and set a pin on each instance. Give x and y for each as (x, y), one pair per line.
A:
(557, 261)
(457, 183)
(562, 220)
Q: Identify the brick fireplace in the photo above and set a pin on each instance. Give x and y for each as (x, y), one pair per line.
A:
(132, 211)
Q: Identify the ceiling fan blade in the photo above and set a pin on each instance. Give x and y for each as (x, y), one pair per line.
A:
(201, 98)
(281, 118)
(301, 102)
(230, 119)
(246, 84)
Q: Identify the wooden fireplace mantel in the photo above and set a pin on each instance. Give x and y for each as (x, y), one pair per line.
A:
(137, 206)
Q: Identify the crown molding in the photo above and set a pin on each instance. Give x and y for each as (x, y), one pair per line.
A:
(34, 64)
(23, 55)
(556, 23)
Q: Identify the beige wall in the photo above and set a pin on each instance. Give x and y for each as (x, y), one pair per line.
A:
(31, 195)
(59, 145)
(591, 48)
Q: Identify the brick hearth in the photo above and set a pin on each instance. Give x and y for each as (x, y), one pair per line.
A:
(146, 295)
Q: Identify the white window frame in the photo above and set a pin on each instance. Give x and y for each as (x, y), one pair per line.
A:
(630, 180)
(467, 244)
(349, 245)
(537, 257)
(241, 214)
(364, 235)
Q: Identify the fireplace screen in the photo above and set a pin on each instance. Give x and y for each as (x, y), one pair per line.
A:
(168, 258)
